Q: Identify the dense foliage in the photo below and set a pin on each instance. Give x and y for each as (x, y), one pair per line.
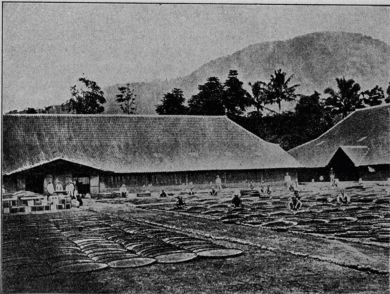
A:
(85, 101)
(313, 114)
(172, 103)
(126, 99)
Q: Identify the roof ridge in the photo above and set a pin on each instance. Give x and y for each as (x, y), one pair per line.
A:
(373, 107)
(354, 146)
(323, 134)
(250, 133)
(338, 123)
(110, 115)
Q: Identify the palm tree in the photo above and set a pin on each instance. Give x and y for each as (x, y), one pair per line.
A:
(346, 99)
(278, 89)
(259, 98)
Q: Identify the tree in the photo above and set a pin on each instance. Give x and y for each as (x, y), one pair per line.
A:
(235, 99)
(172, 103)
(346, 99)
(311, 118)
(126, 99)
(387, 100)
(87, 101)
(209, 99)
(30, 110)
(278, 89)
(259, 97)
(373, 97)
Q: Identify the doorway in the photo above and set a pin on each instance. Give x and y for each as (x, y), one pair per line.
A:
(82, 184)
(343, 167)
(34, 183)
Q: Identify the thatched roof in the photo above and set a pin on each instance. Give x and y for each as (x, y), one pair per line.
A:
(127, 144)
(364, 136)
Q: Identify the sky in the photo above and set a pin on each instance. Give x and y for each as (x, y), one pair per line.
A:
(48, 46)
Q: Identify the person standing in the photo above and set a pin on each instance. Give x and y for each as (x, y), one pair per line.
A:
(59, 186)
(78, 197)
(70, 189)
(332, 177)
(218, 183)
(50, 188)
(287, 180)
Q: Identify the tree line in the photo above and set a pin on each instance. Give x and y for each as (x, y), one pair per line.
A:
(254, 110)
(88, 98)
(312, 116)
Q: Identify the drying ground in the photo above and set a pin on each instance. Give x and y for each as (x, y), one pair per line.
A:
(284, 257)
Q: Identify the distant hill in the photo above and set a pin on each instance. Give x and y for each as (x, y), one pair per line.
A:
(315, 59)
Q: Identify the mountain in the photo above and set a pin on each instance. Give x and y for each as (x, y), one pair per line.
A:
(314, 59)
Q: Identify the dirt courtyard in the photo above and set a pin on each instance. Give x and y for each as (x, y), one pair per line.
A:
(273, 259)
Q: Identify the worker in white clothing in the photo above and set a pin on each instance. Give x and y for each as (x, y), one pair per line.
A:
(218, 183)
(59, 186)
(287, 180)
(70, 189)
(123, 191)
(50, 188)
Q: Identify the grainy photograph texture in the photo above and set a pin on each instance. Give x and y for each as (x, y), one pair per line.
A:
(195, 148)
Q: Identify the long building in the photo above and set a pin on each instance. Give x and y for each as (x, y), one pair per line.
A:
(356, 147)
(102, 152)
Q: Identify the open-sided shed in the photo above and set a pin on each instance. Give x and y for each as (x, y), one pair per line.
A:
(103, 151)
(356, 147)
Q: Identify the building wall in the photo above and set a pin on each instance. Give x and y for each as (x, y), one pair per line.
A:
(106, 182)
(37, 178)
(308, 174)
(13, 184)
(380, 173)
(112, 182)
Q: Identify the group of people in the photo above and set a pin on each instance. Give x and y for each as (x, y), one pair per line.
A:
(294, 204)
(70, 190)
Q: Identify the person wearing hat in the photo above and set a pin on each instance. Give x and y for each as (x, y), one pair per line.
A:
(59, 186)
(70, 189)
